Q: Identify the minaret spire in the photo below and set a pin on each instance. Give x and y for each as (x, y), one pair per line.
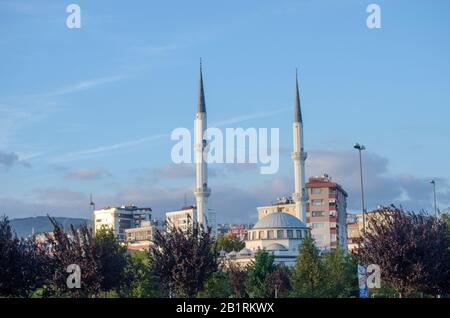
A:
(298, 157)
(297, 109)
(201, 105)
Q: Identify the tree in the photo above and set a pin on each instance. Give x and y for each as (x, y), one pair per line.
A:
(76, 248)
(236, 277)
(229, 242)
(340, 274)
(412, 250)
(217, 286)
(143, 283)
(23, 263)
(184, 260)
(307, 277)
(278, 281)
(257, 272)
(111, 259)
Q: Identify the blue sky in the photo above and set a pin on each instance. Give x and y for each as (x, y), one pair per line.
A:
(90, 110)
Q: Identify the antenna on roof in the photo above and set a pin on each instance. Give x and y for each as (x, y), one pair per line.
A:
(91, 203)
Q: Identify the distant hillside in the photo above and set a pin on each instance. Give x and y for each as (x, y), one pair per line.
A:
(24, 227)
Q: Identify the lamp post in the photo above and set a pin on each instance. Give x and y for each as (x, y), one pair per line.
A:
(434, 194)
(361, 148)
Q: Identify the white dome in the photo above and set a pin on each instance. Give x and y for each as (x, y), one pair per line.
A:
(279, 220)
(276, 247)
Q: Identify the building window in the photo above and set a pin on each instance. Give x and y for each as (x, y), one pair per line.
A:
(299, 234)
(290, 233)
(318, 238)
(270, 234)
(317, 213)
(316, 190)
(317, 202)
(333, 238)
(318, 225)
(280, 234)
(261, 234)
(333, 191)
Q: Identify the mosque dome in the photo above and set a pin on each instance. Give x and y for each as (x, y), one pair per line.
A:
(279, 220)
(276, 247)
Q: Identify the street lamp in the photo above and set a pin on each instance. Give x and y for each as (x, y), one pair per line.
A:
(361, 148)
(434, 193)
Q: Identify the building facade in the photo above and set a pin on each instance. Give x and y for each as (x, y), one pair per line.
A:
(182, 218)
(326, 211)
(142, 237)
(120, 218)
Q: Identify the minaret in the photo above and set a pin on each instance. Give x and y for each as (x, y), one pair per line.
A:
(201, 191)
(298, 157)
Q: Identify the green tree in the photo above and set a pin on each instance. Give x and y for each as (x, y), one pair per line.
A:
(257, 272)
(111, 259)
(217, 286)
(307, 277)
(229, 242)
(143, 282)
(340, 274)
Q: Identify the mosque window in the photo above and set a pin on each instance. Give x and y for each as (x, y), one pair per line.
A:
(290, 233)
(299, 233)
(280, 234)
(261, 234)
(270, 234)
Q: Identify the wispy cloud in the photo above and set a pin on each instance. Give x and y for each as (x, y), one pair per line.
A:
(93, 152)
(86, 84)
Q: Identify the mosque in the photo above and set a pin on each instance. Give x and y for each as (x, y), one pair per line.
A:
(279, 233)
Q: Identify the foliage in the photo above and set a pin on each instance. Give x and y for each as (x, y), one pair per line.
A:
(236, 277)
(229, 242)
(184, 260)
(308, 278)
(412, 250)
(278, 282)
(76, 248)
(257, 272)
(143, 283)
(340, 274)
(217, 286)
(111, 259)
(22, 263)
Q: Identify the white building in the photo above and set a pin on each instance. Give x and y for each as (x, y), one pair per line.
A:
(142, 237)
(182, 218)
(279, 233)
(120, 218)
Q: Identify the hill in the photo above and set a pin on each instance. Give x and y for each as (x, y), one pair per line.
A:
(24, 227)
